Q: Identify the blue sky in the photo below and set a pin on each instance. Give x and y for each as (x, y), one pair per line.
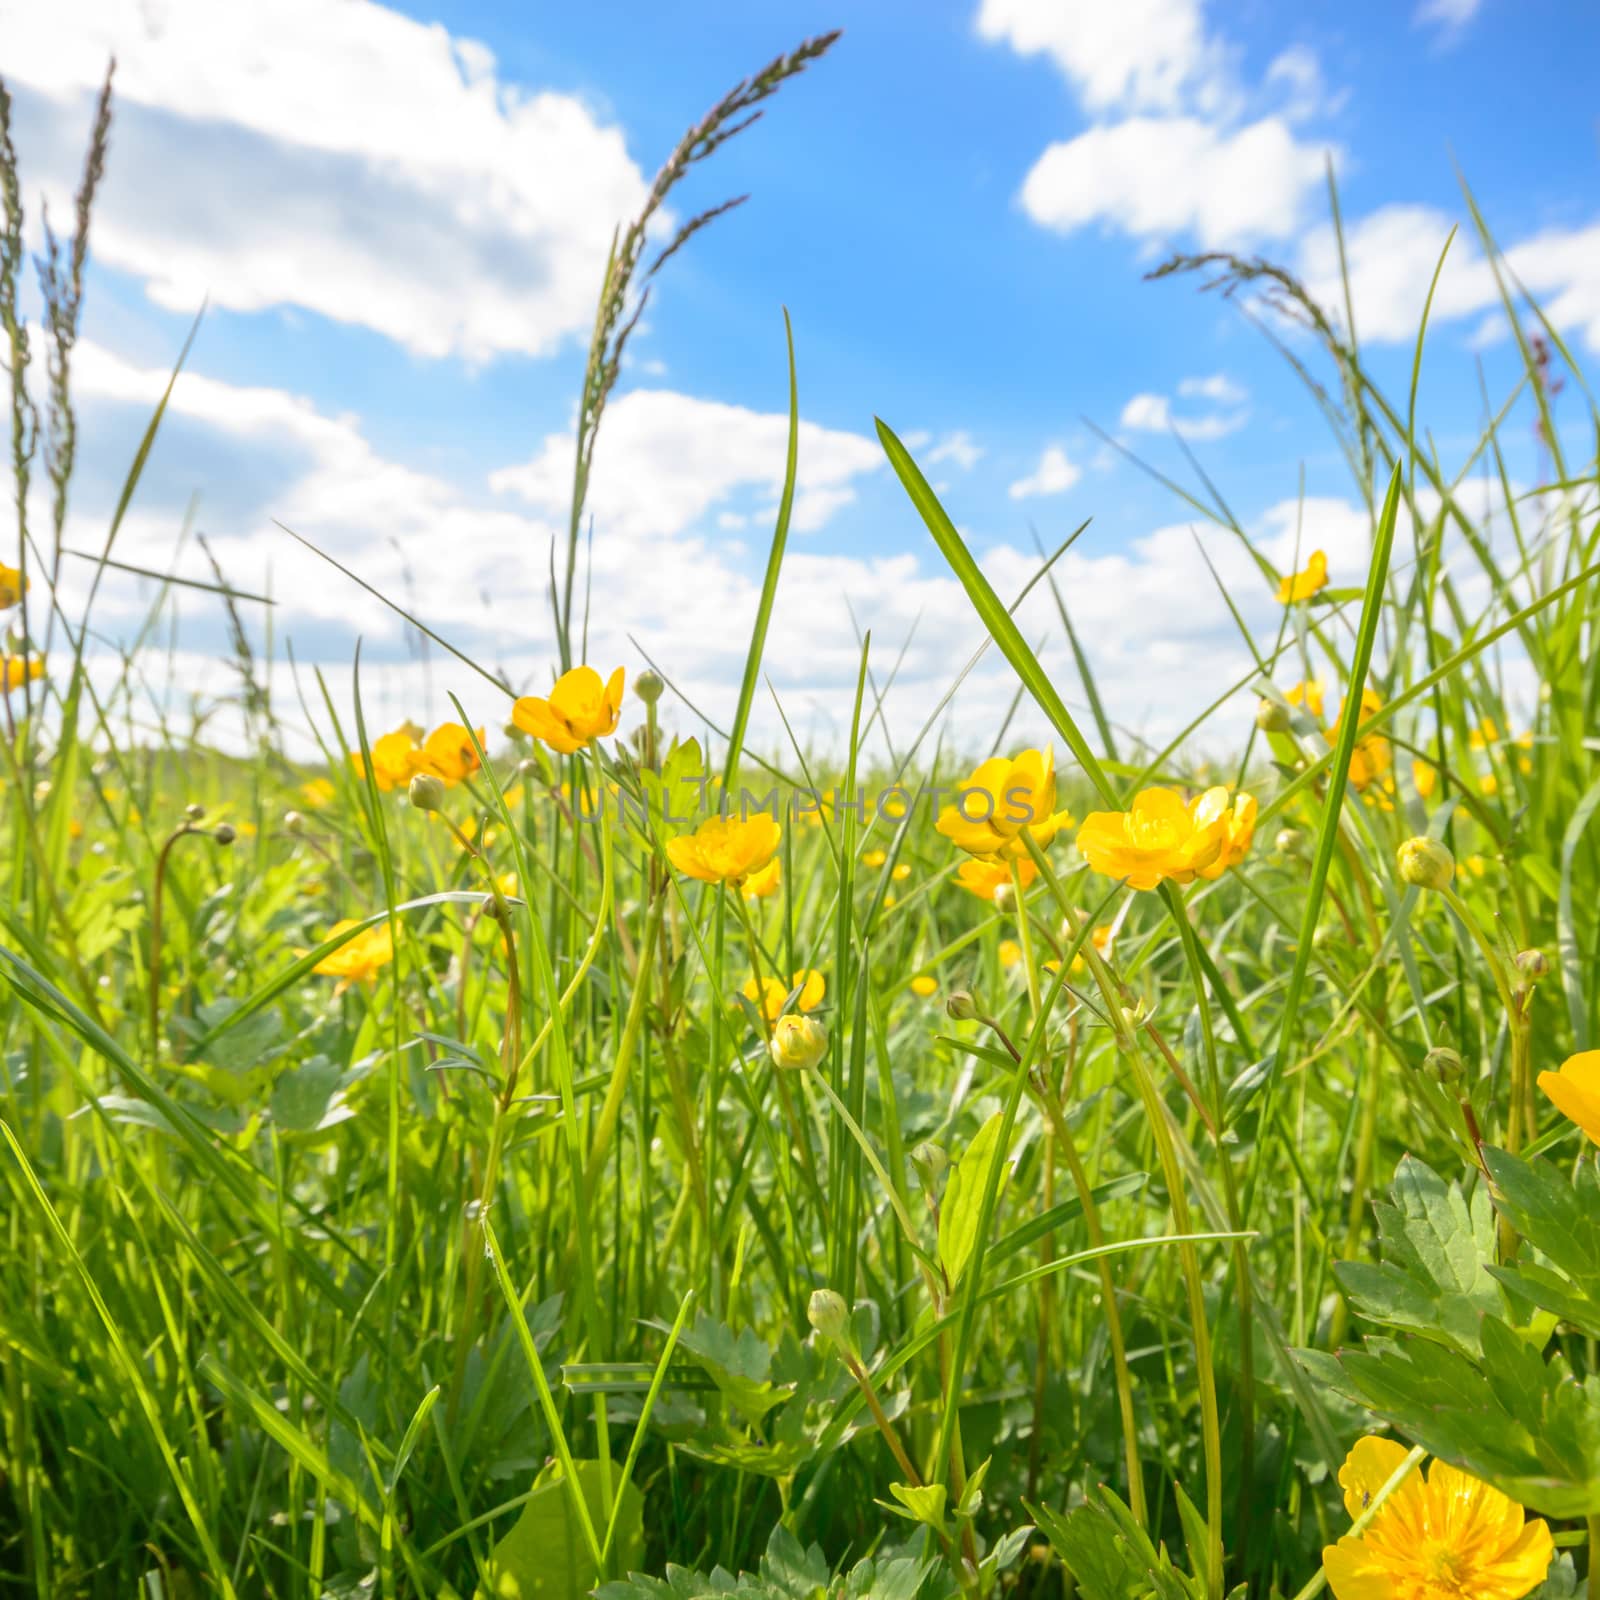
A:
(399, 214)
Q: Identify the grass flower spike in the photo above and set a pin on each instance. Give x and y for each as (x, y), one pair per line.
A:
(1446, 1537)
(726, 849)
(1575, 1090)
(1305, 583)
(581, 707)
(1161, 837)
(999, 800)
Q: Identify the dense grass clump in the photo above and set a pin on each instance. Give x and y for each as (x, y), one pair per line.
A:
(578, 1157)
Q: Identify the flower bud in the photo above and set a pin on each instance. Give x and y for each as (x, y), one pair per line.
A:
(1005, 896)
(828, 1314)
(1443, 1063)
(426, 792)
(1533, 965)
(293, 822)
(1289, 841)
(491, 908)
(931, 1163)
(224, 834)
(1426, 864)
(648, 686)
(961, 1007)
(194, 812)
(527, 768)
(798, 1042)
(1271, 717)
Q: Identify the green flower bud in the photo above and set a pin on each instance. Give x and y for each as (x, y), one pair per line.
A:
(194, 812)
(829, 1315)
(224, 833)
(1271, 717)
(293, 822)
(1289, 841)
(1533, 965)
(1426, 863)
(961, 1007)
(1005, 896)
(1444, 1064)
(648, 686)
(426, 792)
(931, 1162)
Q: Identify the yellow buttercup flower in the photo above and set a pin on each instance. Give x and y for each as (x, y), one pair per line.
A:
(726, 849)
(874, 858)
(982, 877)
(1372, 756)
(1444, 1537)
(360, 959)
(798, 1043)
(767, 881)
(924, 986)
(1305, 583)
(12, 586)
(447, 753)
(1160, 837)
(999, 800)
(1010, 953)
(900, 871)
(1425, 778)
(580, 708)
(1575, 1090)
(392, 759)
(775, 992)
(1308, 695)
(317, 792)
(17, 672)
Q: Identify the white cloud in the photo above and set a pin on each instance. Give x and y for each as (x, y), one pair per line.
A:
(1160, 178)
(341, 158)
(1055, 474)
(1138, 54)
(665, 459)
(958, 447)
(1449, 14)
(1218, 386)
(1391, 255)
(1297, 73)
(1152, 413)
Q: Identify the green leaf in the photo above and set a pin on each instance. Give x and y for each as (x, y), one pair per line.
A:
(740, 1365)
(1434, 1278)
(924, 1503)
(962, 1205)
(545, 1553)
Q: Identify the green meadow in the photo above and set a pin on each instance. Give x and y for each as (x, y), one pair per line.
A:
(543, 1154)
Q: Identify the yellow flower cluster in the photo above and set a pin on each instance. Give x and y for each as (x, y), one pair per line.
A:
(1163, 838)
(1305, 583)
(17, 671)
(446, 754)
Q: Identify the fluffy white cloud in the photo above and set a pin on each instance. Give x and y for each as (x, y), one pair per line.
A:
(1160, 178)
(1055, 474)
(1152, 413)
(958, 447)
(1392, 252)
(1139, 54)
(338, 157)
(665, 459)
